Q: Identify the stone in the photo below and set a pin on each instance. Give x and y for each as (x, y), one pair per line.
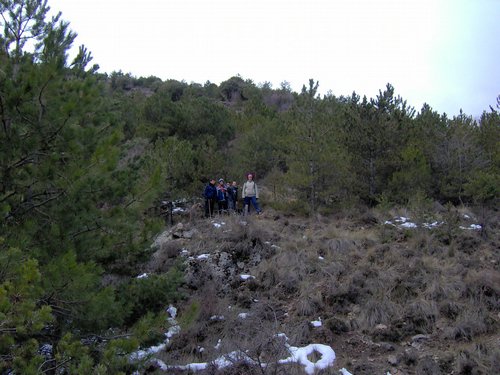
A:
(393, 360)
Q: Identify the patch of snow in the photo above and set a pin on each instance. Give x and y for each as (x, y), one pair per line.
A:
(141, 354)
(203, 256)
(217, 317)
(321, 258)
(142, 276)
(299, 355)
(246, 277)
(409, 224)
(434, 224)
(317, 323)
(217, 346)
(178, 209)
(243, 315)
(172, 311)
(173, 330)
(472, 227)
(343, 371)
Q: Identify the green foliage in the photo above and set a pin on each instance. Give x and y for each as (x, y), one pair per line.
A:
(150, 294)
(484, 187)
(22, 316)
(190, 315)
(318, 166)
(412, 177)
(150, 329)
(84, 155)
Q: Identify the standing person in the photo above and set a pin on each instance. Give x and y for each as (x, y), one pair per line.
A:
(250, 193)
(221, 196)
(232, 196)
(210, 195)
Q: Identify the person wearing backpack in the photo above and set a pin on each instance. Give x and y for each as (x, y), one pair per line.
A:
(250, 194)
(210, 195)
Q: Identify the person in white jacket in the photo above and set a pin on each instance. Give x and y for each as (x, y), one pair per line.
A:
(250, 193)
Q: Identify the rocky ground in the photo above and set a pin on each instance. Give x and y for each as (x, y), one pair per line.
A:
(386, 297)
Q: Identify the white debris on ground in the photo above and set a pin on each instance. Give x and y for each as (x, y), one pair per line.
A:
(317, 323)
(243, 315)
(217, 346)
(218, 224)
(297, 355)
(173, 330)
(300, 356)
(142, 276)
(404, 222)
(472, 227)
(217, 317)
(246, 277)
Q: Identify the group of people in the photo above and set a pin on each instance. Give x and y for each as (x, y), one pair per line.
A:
(226, 196)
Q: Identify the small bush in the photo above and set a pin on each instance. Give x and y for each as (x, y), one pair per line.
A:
(150, 294)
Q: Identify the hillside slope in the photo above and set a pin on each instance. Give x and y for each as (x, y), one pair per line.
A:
(386, 293)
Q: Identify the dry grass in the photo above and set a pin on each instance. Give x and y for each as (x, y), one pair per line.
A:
(372, 284)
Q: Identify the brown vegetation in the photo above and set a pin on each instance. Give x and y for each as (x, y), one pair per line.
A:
(404, 301)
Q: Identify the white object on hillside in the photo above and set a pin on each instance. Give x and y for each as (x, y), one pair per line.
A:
(317, 323)
(299, 355)
(343, 371)
(472, 227)
(246, 277)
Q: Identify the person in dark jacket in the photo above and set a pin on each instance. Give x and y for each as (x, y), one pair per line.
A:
(210, 195)
(222, 196)
(232, 196)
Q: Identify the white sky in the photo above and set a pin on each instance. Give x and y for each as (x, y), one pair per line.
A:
(443, 52)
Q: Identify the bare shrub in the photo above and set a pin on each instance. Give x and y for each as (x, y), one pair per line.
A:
(165, 256)
(427, 366)
(377, 311)
(256, 337)
(471, 322)
(284, 272)
(484, 288)
(421, 316)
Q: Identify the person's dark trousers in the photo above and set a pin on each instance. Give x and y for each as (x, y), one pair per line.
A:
(209, 207)
(254, 203)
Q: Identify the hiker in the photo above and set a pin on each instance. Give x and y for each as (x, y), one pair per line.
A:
(250, 193)
(232, 196)
(210, 195)
(221, 196)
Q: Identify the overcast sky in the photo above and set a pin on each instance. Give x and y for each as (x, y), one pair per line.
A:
(443, 52)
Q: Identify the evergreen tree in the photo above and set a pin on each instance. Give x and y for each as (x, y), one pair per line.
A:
(317, 164)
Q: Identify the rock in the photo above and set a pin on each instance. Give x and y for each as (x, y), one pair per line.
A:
(420, 338)
(387, 346)
(393, 360)
(189, 233)
(161, 239)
